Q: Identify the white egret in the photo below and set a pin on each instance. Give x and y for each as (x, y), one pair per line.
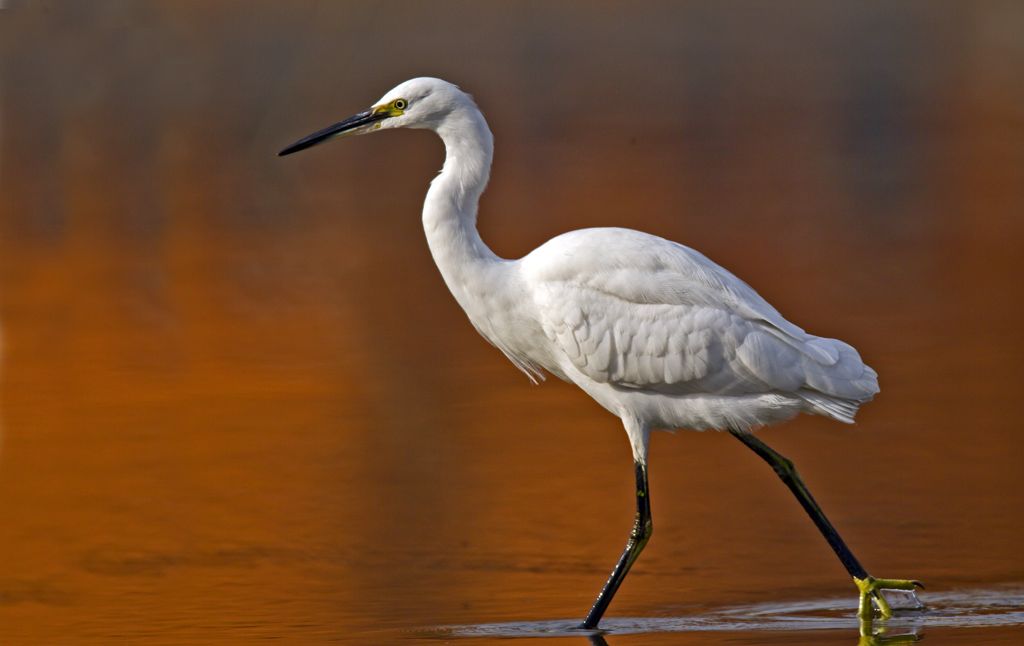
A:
(655, 332)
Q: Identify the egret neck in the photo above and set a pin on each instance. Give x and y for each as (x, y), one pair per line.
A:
(479, 280)
(450, 208)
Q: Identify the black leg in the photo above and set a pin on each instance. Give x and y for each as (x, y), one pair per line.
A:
(870, 587)
(641, 533)
(787, 472)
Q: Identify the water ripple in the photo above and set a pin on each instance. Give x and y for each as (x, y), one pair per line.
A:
(954, 608)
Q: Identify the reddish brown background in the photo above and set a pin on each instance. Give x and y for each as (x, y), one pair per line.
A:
(237, 402)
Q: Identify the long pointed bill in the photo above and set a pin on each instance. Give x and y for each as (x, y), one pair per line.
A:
(350, 125)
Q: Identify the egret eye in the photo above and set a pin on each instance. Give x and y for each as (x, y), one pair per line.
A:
(401, 104)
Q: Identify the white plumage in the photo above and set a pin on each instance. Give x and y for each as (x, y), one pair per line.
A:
(655, 332)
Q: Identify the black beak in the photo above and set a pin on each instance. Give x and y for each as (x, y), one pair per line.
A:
(361, 119)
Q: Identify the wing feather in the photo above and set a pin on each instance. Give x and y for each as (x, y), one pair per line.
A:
(638, 311)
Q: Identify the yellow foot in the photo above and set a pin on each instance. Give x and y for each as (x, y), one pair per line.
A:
(871, 593)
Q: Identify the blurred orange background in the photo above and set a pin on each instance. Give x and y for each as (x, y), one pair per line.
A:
(238, 402)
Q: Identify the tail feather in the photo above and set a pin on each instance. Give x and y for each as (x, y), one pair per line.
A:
(827, 374)
(848, 378)
(837, 391)
(837, 408)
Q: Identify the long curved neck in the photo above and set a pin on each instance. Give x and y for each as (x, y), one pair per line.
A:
(450, 208)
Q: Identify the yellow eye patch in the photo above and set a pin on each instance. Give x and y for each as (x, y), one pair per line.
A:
(395, 108)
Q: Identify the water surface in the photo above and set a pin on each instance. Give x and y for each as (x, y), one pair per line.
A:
(238, 403)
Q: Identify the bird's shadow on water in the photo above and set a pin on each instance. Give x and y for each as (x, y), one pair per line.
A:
(956, 608)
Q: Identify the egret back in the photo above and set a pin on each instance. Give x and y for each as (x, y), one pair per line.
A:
(639, 312)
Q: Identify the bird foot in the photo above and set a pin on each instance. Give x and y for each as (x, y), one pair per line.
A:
(871, 595)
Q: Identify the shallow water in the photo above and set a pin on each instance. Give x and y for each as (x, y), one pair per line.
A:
(999, 607)
(238, 404)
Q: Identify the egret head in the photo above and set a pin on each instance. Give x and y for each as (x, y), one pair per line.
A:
(417, 103)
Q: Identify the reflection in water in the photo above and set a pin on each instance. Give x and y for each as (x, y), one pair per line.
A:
(871, 635)
(238, 403)
(953, 609)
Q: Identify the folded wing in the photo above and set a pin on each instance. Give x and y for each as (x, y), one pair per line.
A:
(637, 311)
